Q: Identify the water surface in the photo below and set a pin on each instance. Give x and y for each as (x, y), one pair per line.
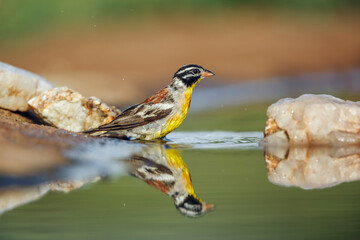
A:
(103, 193)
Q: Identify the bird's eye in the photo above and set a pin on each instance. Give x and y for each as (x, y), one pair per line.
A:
(196, 71)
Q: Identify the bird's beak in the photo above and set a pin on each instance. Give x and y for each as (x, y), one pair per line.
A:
(207, 73)
(208, 207)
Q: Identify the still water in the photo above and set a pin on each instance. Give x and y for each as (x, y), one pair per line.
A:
(197, 185)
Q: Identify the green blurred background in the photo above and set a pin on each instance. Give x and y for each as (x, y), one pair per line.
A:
(125, 50)
(122, 51)
(20, 19)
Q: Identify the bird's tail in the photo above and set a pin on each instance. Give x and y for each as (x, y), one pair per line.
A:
(94, 132)
(90, 131)
(101, 133)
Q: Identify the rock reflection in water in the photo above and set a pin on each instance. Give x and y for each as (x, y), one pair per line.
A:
(158, 165)
(312, 168)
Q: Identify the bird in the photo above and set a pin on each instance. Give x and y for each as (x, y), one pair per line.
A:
(162, 167)
(158, 114)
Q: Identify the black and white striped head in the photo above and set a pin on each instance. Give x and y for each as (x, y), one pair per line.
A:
(191, 74)
(192, 206)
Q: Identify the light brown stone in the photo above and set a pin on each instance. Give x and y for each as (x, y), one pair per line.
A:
(69, 110)
(313, 120)
(18, 86)
(311, 168)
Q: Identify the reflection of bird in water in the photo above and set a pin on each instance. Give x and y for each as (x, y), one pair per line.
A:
(164, 169)
(160, 113)
(160, 167)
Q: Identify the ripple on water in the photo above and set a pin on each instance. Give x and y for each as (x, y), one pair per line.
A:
(216, 139)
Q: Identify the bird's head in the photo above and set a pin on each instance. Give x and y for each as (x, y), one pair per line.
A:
(192, 206)
(191, 74)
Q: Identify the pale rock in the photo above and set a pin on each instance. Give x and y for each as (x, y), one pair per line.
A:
(18, 86)
(11, 198)
(69, 185)
(312, 168)
(313, 120)
(69, 110)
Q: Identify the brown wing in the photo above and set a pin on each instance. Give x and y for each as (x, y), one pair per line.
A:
(157, 97)
(135, 116)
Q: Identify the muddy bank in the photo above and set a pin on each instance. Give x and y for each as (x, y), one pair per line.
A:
(27, 147)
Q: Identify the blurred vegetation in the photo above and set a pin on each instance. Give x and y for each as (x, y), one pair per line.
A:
(19, 19)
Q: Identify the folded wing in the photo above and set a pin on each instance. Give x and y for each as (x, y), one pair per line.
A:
(136, 116)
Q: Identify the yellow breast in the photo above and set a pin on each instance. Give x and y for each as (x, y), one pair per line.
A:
(177, 119)
(177, 163)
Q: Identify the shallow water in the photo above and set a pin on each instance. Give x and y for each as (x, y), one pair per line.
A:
(216, 139)
(254, 197)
